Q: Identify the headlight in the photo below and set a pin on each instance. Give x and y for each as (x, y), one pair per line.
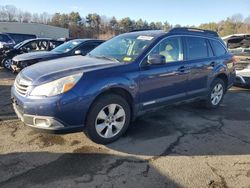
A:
(56, 87)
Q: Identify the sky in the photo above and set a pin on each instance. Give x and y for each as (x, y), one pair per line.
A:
(184, 12)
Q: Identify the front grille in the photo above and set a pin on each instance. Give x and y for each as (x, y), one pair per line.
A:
(21, 85)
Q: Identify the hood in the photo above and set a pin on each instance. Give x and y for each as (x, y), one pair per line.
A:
(54, 69)
(35, 55)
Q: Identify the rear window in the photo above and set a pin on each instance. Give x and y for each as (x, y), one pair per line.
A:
(197, 48)
(4, 38)
(21, 37)
(218, 48)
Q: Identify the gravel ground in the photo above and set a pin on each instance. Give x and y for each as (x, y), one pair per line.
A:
(182, 146)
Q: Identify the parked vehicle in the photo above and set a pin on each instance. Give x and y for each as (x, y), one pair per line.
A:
(31, 45)
(133, 73)
(71, 48)
(9, 40)
(239, 46)
(6, 40)
(19, 37)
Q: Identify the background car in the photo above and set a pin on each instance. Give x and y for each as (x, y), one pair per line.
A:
(9, 40)
(6, 40)
(239, 46)
(31, 45)
(70, 48)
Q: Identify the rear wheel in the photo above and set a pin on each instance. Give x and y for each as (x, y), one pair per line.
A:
(6, 63)
(108, 119)
(216, 94)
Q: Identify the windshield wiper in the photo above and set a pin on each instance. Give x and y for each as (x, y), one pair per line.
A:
(105, 57)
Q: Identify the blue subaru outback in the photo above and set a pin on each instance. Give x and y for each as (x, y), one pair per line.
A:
(122, 78)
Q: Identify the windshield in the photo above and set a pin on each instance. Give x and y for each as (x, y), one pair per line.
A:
(125, 48)
(18, 45)
(68, 46)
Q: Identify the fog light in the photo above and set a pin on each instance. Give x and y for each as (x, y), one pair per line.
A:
(39, 122)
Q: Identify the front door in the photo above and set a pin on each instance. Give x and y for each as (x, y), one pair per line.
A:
(165, 83)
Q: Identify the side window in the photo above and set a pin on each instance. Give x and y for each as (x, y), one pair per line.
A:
(218, 48)
(53, 44)
(210, 51)
(42, 45)
(170, 48)
(4, 38)
(31, 46)
(87, 48)
(197, 48)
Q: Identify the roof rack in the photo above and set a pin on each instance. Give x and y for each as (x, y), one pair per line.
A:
(136, 30)
(194, 30)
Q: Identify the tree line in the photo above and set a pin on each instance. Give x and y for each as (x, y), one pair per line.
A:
(96, 26)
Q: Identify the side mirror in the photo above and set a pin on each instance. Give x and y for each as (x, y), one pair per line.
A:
(78, 52)
(156, 59)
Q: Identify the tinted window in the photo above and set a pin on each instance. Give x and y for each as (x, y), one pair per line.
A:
(20, 37)
(4, 38)
(218, 48)
(87, 48)
(171, 48)
(210, 51)
(197, 48)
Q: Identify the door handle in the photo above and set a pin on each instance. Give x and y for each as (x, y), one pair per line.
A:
(182, 69)
(212, 64)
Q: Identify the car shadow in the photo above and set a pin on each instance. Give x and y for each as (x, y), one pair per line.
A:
(78, 169)
(6, 109)
(192, 130)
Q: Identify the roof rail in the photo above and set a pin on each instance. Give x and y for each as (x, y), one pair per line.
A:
(194, 30)
(136, 30)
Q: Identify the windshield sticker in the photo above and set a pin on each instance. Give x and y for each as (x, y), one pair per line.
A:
(127, 59)
(145, 37)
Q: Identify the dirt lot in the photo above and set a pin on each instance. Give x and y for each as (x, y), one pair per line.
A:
(183, 146)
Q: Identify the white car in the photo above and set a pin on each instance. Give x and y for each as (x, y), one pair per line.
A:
(239, 46)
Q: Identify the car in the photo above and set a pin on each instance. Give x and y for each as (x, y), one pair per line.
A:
(31, 45)
(6, 40)
(121, 79)
(20, 37)
(239, 46)
(70, 48)
(9, 40)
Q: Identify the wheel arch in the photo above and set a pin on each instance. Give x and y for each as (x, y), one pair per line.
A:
(120, 91)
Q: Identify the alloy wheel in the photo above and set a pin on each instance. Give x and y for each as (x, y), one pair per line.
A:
(110, 120)
(8, 63)
(217, 94)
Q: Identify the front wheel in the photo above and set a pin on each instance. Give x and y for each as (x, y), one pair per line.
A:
(216, 94)
(7, 63)
(108, 119)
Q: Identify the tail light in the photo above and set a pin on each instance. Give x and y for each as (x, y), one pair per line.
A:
(235, 60)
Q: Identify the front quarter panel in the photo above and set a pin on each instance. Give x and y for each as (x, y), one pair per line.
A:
(96, 82)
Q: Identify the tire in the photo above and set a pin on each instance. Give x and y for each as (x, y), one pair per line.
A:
(6, 63)
(103, 126)
(216, 94)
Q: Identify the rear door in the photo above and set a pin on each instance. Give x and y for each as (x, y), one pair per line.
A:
(200, 64)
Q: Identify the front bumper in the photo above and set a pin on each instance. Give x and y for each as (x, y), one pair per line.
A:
(55, 115)
(243, 78)
(15, 68)
(242, 81)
